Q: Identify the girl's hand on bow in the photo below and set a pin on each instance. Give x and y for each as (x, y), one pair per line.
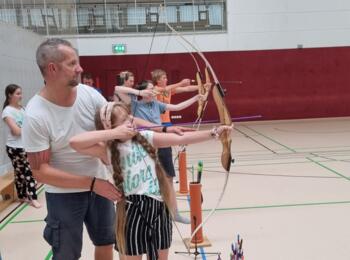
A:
(224, 129)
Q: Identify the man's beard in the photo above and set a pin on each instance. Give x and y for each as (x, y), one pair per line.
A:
(73, 83)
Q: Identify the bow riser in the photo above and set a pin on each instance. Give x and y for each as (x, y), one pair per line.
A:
(225, 119)
(201, 91)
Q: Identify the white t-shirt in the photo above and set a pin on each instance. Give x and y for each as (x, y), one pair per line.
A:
(47, 125)
(17, 115)
(139, 169)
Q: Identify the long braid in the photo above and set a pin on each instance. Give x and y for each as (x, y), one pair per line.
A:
(118, 180)
(164, 184)
(121, 210)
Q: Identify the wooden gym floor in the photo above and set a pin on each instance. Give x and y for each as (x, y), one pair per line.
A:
(288, 197)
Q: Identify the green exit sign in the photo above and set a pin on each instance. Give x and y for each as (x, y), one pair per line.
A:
(119, 48)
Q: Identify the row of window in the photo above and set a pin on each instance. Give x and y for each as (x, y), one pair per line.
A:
(115, 18)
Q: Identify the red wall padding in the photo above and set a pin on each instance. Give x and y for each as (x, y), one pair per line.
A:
(277, 84)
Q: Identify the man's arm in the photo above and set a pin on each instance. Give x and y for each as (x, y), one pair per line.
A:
(45, 173)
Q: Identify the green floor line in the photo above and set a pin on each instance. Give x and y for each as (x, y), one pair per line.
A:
(49, 255)
(277, 206)
(27, 221)
(16, 213)
(269, 138)
(322, 147)
(329, 169)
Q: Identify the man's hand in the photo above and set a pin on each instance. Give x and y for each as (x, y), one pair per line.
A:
(106, 189)
(179, 129)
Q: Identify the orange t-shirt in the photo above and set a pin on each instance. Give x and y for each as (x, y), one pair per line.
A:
(165, 97)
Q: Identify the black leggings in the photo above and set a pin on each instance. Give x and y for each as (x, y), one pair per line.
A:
(24, 180)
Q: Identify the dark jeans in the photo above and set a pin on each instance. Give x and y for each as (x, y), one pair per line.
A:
(165, 156)
(64, 222)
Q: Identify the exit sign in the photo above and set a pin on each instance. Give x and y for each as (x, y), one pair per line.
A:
(119, 48)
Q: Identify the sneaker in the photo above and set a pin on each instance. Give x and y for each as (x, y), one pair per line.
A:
(181, 219)
(35, 204)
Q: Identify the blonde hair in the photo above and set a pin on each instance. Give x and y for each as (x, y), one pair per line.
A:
(121, 110)
(156, 75)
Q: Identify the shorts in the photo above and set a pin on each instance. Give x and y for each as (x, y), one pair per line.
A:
(148, 226)
(66, 213)
(165, 156)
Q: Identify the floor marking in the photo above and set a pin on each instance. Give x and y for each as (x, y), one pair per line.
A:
(329, 169)
(15, 213)
(290, 149)
(278, 206)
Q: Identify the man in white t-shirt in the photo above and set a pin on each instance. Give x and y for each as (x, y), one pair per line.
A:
(77, 189)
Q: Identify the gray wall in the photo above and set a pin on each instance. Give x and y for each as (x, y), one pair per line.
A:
(17, 65)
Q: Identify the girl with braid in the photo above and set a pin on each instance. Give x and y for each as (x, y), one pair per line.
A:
(143, 224)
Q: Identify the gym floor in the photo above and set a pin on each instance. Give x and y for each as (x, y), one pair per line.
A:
(288, 197)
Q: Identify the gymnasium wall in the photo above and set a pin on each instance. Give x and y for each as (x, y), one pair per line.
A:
(251, 25)
(292, 57)
(277, 84)
(17, 65)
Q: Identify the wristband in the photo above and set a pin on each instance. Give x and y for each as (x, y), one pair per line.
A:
(92, 184)
(164, 129)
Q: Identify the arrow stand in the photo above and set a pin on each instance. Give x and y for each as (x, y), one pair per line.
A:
(196, 217)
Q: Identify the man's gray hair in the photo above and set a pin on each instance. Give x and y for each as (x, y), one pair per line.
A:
(48, 52)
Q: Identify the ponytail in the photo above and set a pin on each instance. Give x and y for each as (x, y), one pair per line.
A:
(9, 90)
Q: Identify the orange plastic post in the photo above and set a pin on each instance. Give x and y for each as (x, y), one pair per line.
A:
(183, 173)
(196, 211)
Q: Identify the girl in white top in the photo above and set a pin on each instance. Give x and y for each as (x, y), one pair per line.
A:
(143, 218)
(13, 114)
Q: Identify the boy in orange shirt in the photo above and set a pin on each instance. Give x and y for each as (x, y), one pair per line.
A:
(160, 82)
(165, 91)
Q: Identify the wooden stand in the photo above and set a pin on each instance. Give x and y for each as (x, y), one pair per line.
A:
(7, 191)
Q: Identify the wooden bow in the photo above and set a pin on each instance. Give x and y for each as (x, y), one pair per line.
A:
(225, 119)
